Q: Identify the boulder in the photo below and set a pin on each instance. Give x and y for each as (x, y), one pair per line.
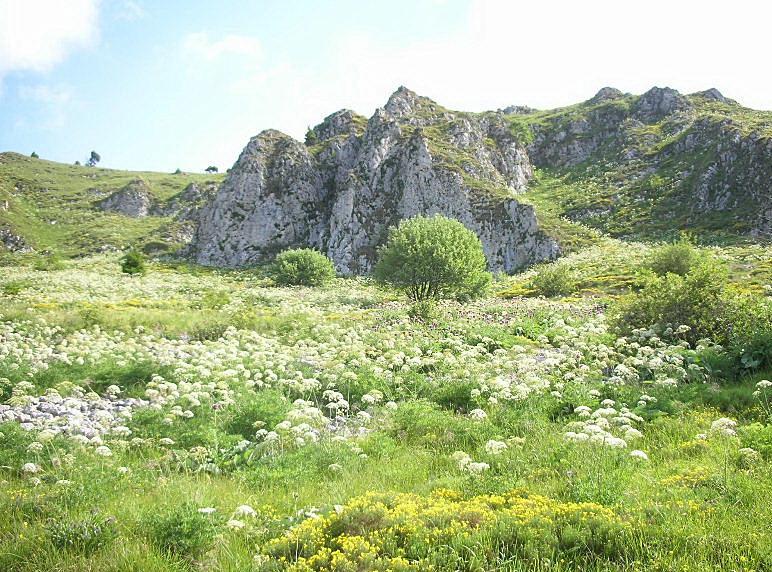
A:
(133, 200)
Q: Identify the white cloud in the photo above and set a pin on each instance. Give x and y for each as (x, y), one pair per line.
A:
(46, 94)
(38, 34)
(130, 11)
(543, 54)
(53, 103)
(199, 45)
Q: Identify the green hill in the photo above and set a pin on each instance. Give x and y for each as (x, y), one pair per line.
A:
(53, 206)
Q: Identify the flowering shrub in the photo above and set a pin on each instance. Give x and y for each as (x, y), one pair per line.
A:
(409, 532)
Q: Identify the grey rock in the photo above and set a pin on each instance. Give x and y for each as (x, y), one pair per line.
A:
(133, 200)
(185, 205)
(659, 102)
(606, 94)
(13, 242)
(713, 94)
(518, 110)
(341, 122)
(343, 198)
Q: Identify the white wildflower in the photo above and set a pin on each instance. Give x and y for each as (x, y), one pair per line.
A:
(493, 447)
(103, 451)
(245, 510)
(724, 426)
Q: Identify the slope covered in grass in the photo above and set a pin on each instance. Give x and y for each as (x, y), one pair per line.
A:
(54, 207)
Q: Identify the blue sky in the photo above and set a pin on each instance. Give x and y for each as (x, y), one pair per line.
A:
(160, 85)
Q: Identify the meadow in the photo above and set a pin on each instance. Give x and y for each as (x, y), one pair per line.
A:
(191, 418)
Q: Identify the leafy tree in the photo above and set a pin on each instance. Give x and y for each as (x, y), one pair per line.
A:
(133, 262)
(211, 169)
(35, 155)
(77, 163)
(311, 138)
(93, 159)
(433, 258)
(302, 267)
(177, 171)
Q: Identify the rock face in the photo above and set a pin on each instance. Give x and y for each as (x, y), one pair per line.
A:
(341, 193)
(659, 102)
(186, 204)
(660, 161)
(133, 200)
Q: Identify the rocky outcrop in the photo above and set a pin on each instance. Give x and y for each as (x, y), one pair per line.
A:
(136, 200)
(133, 200)
(185, 206)
(713, 94)
(685, 158)
(659, 102)
(13, 242)
(342, 193)
(606, 94)
(700, 159)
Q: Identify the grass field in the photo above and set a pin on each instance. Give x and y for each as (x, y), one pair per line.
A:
(200, 419)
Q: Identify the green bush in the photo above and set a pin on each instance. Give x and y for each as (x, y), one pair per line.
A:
(432, 258)
(745, 329)
(424, 311)
(133, 262)
(183, 532)
(675, 258)
(701, 300)
(15, 287)
(265, 408)
(84, 536)
(213, 299)
(554, 279)
(302, 267)
(758, 437)
(695, 300)
(49, 263)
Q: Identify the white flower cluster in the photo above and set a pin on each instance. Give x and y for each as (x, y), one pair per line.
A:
(724, 426)
(466, 464)
(606, 425)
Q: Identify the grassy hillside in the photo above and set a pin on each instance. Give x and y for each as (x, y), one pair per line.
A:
(705, 167)
(602, 167)
(53, 205)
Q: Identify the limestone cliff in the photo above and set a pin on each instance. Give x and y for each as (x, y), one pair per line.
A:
(643, 166)
(353, 179)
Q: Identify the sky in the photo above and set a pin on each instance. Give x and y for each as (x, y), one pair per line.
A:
(161, 85)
